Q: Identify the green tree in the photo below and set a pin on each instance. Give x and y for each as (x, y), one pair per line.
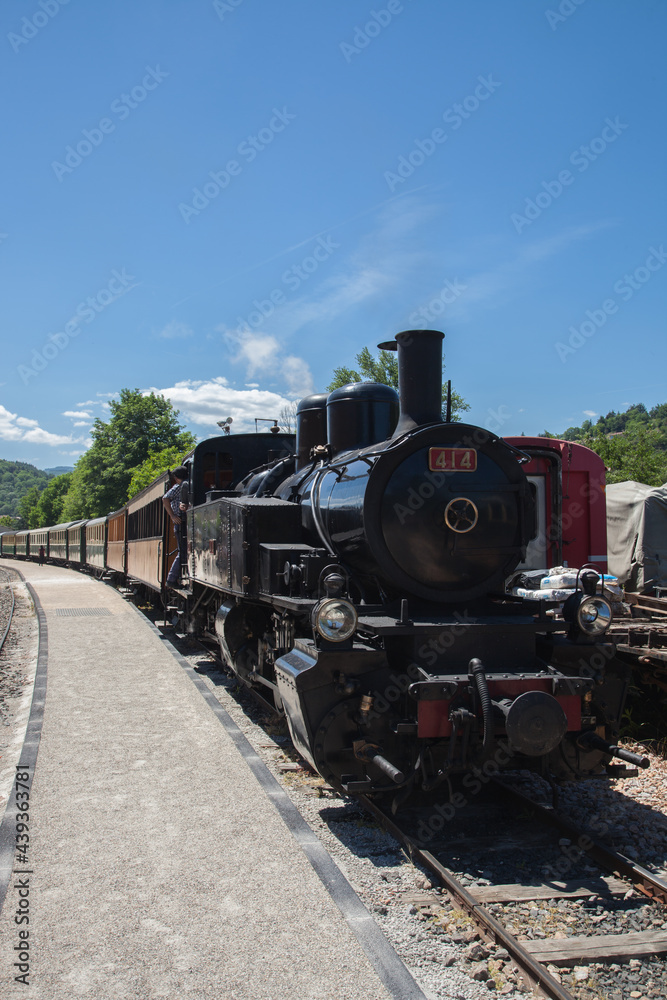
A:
(384, 369)
(52, 499)
(16, 479)
(154, 466)
(140, 426)
(630, 455)
(633, 444)
(27, 508)
(7, 522)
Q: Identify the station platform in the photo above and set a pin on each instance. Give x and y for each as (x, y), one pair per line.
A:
(159, 865)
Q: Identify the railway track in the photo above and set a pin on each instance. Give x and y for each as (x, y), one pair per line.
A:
(7, 604)
(643, 640)
(519, 914)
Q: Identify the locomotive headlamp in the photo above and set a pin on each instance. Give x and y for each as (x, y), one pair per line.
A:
(335, 619)
(590, 614)
(594, 615)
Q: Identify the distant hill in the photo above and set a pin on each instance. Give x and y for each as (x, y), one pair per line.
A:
(60, 470)
(16, 479)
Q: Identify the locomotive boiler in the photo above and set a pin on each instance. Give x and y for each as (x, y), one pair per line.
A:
(359, 584)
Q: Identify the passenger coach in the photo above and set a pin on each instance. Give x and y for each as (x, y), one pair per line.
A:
(7, 542)
(96, 544)
(39, 538)
(23, 543)
(116, 534)
(76, 544)
(58, 542)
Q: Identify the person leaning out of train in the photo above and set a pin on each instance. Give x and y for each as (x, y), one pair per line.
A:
(175, 503)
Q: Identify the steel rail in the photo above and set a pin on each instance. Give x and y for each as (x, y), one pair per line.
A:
(643, 880)
(533, 971)
(11, 611)
(644, 653)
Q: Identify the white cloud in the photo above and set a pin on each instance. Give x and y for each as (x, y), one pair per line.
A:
(298, 377)
(258, 349)
(262, 353)
(100, 401)
(207, 402)
(589, 413)
(176, 331)
(81, 423)
(78, 414)
(15, 428)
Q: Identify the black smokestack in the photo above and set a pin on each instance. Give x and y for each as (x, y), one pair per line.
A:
(419, 378)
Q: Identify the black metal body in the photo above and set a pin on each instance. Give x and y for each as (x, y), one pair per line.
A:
(381, 510)
(419, 522)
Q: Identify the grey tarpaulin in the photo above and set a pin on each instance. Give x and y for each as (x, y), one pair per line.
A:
(637, 535)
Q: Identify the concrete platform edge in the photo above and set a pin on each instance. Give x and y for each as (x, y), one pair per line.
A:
(29, 751)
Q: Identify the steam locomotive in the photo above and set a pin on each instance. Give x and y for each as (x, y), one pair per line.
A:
(355, 578)
(359, 584)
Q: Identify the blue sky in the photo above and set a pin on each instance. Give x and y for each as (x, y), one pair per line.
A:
(224, 200)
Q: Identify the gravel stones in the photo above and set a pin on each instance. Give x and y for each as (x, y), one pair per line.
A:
(18, 654)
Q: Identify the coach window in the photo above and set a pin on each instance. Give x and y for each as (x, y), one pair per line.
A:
(117, 529)
(146, 522)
